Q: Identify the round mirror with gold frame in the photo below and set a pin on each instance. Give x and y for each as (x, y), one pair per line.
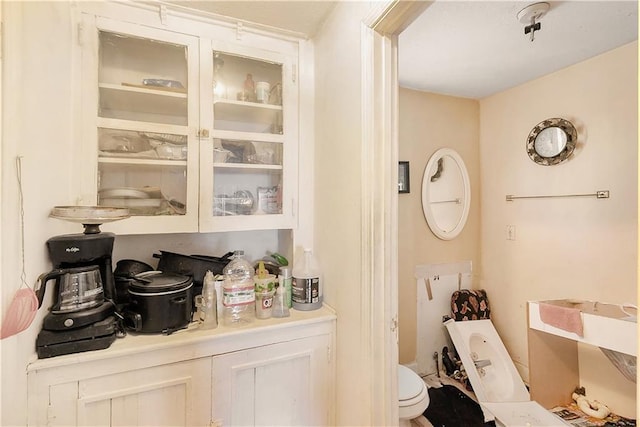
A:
(552, 141)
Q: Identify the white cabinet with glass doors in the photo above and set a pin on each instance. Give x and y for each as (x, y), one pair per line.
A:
(248, 167)
(189, 133)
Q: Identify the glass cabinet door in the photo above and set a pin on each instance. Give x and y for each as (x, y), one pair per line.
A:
(247, 94)
(146, 122)
(253, 149)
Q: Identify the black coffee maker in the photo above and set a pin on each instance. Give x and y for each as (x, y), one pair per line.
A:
(82, 316)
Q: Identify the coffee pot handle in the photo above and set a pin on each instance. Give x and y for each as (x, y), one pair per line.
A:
(42, 282)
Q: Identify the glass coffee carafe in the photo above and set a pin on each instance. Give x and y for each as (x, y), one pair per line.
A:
(78, 288)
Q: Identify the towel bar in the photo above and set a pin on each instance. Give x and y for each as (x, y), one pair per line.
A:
(601, 194)
(456, 201)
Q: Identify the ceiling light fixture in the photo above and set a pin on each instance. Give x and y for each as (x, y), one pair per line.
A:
(530, 16)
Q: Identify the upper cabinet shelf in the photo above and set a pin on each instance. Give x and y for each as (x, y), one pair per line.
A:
(150, 90)
(119, 101)
(239, 106)
(246, 167)
(247, 116)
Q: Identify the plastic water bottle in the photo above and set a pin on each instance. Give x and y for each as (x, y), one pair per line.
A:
(238, 294)
(306, 286)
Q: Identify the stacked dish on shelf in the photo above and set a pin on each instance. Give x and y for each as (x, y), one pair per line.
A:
(139, 200)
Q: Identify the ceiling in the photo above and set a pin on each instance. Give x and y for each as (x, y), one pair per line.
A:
(299, 16)
(471, 48)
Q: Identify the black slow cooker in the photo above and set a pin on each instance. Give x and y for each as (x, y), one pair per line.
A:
(159, 302)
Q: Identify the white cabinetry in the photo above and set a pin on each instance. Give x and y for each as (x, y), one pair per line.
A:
(276, 372)
(176, 394)
(283, 384)
(189, 125)
(554, 354)
(171, 395)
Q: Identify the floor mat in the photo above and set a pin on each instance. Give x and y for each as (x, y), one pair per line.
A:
(450, 407)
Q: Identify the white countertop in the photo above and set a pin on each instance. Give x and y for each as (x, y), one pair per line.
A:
(605, 326)
(197, 342)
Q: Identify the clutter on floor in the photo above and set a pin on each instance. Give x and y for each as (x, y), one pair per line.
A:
(574, 416)
(582, 412)
(450, 407)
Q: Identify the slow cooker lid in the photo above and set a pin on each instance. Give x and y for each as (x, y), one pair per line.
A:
(159, 281)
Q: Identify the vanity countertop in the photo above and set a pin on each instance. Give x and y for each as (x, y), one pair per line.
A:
(604, 325)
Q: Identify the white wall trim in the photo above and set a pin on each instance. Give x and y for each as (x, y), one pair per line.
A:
(368, 234)
(379, 287)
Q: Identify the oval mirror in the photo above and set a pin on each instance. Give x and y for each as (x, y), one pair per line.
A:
(446, 194)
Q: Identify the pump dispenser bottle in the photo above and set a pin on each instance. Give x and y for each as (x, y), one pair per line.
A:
(306, 286)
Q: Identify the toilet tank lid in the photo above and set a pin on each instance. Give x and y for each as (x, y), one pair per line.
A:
(410, 384)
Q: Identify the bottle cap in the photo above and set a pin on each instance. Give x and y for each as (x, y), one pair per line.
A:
(285, 272)
(261, 272)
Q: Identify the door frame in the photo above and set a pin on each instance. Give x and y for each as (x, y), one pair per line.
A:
(379, 40)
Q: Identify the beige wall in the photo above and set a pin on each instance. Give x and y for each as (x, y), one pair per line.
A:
(565, 248)
(39, 128)
(428, 122)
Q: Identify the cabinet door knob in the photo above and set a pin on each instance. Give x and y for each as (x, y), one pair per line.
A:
(203, 133)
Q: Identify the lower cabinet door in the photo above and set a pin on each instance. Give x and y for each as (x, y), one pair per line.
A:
(177, 394)
(284, 384)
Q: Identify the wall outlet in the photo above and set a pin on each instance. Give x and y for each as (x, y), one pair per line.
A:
(511, 232)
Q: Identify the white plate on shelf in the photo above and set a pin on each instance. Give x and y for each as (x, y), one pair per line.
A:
(121, 193)
(129, 202)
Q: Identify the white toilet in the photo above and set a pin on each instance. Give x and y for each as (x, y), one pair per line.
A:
(494, 378)
(413, 396)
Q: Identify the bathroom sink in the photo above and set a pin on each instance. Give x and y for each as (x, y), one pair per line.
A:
(614, 311)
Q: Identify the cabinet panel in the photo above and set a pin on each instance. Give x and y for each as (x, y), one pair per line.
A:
(61, 410)
(171, 395)
(288, 386)
(283, 384)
